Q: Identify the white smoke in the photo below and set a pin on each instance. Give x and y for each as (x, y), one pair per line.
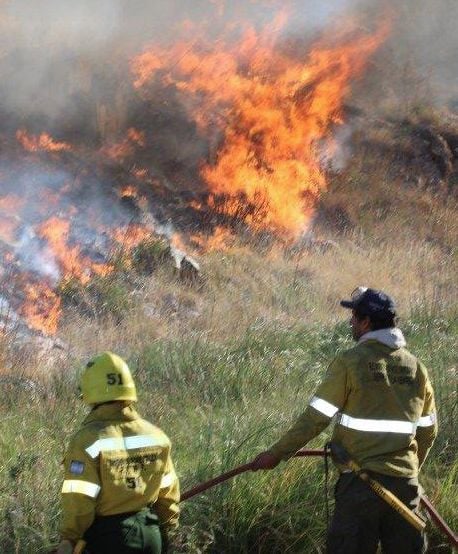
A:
(62, 23)
(334, 152)
(8, 316)
(56, 56)
(35, 256)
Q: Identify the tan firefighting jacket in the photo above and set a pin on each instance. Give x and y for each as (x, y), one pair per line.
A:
(117, 463)
(383, 405)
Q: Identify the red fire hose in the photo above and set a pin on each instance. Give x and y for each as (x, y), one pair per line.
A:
(425, 502)
(439, 521)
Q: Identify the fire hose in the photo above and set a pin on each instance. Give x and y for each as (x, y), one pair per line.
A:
(395, 503)
(403, 510)
(341, 456)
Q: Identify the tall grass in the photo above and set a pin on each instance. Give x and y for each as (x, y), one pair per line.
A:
(224, 367)
(221, 402)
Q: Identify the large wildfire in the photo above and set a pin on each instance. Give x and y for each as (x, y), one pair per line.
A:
(205, 131)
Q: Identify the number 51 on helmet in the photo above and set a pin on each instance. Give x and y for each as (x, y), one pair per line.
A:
(107, 378)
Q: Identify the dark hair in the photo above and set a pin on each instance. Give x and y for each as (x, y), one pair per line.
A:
(381, 320)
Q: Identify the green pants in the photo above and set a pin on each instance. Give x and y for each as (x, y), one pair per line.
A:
(125, 534)
(362, 519)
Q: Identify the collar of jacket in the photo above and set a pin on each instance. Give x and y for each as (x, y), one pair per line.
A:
(109, 412)
(391, 337)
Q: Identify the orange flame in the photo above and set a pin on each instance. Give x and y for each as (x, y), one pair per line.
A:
(43, 142)
(137, 137)
(274, 111)
(267, 112)
(131, 236)
(140, 173)
(42, 308)
(220, 240)
(128, 191)
(144, 66)
(126, 147)
(55, 232)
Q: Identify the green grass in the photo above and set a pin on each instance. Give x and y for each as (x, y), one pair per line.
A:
(221, 403)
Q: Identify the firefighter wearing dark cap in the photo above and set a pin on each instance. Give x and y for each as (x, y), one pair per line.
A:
(120, 492)
(382, 402)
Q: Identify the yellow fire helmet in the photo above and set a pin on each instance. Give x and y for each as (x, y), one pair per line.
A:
(106, 378)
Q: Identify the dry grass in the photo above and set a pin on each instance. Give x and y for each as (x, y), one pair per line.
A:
(223, 366)
(244, 288)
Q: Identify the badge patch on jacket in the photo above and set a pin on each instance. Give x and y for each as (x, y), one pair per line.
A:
(76, 467)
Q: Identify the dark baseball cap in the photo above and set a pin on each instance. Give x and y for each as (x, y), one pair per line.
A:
(370, 302)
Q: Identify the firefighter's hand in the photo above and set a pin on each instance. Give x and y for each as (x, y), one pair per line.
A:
(265, 460)
(65, 547)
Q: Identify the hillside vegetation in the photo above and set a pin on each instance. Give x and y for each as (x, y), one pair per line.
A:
(224, 364)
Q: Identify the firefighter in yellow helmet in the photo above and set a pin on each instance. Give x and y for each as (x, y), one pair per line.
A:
(120, 492)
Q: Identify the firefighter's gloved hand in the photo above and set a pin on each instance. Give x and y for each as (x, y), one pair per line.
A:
(265, 460)
(65, 547)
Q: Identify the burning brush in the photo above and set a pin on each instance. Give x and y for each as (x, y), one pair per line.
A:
(213, 131)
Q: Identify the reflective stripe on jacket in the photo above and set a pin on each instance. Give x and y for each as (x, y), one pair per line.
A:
(117, 463)
(383, 405)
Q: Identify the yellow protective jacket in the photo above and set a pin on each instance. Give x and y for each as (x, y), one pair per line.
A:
(383, 405)
(117, 463)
